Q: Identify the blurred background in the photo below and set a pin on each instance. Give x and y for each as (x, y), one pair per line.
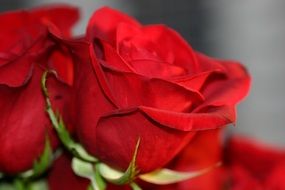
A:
(251, 31)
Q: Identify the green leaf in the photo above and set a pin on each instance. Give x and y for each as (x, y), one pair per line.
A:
(75, 148)
(117, 177)
(167, 176)
(87, 170)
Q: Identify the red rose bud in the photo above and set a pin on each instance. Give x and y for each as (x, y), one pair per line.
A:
(250, 165)
(146, 82)
(27, 49)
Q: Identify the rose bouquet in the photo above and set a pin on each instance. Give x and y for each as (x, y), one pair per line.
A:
(125, 106)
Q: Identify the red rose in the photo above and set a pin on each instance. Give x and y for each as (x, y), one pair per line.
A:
(250, 165)
(146, 82)
(27, 49)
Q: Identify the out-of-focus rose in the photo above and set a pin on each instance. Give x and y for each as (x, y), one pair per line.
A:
(30, 44)
(250, 165)
(146, 82)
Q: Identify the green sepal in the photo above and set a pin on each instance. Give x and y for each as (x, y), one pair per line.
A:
(41, 164)
(88, 170)
(90, 187)
(75, 148)
(39, 185)
(117, 177)
(135, 186)
(166, 176)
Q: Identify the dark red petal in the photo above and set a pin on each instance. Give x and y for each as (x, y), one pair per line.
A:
(258, 159)
(62, 177)
(114, 59)
(277, 177)
(159, 42)
(241, 179)
(144, 66)
(196, 81)
(61, 60)
(19, 34)
(24, 123)
(204, 150)
(107, 30)
(17, 72)
(211, 118)
(100, 75)
(90, 101)
(24, 39)
(227, 88)
(116, 147)
(152, 92)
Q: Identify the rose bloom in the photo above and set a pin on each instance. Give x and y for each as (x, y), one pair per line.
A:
(30, 45)
(147, 83)
(250, 165)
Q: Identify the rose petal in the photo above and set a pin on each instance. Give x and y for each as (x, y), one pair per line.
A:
(62, 16)
(211, 118)
(227, 89)
(111, 135)
(106, 30)
(23, 40)
(20, 115)
(152, 92)
(161, 43)
(86, 89)
(204, 150)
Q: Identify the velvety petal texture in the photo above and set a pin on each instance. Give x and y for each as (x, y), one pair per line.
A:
(147, 82)
(28, 48)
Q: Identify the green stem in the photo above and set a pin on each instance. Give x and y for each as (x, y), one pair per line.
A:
(135, 186)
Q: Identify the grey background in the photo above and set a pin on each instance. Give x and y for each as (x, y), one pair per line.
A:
(252, 31)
